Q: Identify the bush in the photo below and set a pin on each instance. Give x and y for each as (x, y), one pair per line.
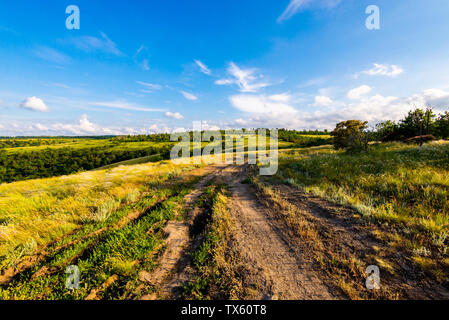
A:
(350, 135)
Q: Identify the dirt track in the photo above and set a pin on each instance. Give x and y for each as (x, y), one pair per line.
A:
(174, 269)
(282, 256)
(281, 271)
(261, 240)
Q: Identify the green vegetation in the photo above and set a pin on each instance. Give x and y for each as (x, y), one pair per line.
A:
(109, 260)
(350, 135)
(38, 212)
(71, 156)
(393, 182)
(303, 139)
(417, 122)
(218, 265)
(30, 142)
(34, 158)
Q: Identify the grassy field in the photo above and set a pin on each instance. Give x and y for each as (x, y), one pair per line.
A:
(110, 222)
(36, 212)
(71, 155)
(393, 182)
(395, 195)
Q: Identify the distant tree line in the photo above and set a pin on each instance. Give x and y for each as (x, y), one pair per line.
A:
(161, 137)
(417, 122)
(17, 143)
(62, 161)
(304, 138)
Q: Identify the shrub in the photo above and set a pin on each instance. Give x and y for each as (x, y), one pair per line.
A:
(350, 135)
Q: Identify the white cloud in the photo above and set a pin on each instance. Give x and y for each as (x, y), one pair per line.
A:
(322, 101)
(51, 55)
(203, 68)
(242, 122)
(181, 129)
(369, 108)
(91, 44)
(84, 126)
(296, 5)
(87, 126)
(175, 115)
(189, 96)
(41, 127)
(124, 105)
(436, 98)
(34, 104)
(282, 97)
(384, 70)
(205, 126)
(243, 78)
(260, 104)
(150, 85)
(358, 92)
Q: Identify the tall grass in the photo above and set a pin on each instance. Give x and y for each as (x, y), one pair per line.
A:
(110, 261)
(393, 182)
(36, 212)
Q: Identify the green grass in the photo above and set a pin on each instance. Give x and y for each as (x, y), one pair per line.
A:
(152, 158)
(37, 212)
(119, 252)
(216, 261)
(393, 182)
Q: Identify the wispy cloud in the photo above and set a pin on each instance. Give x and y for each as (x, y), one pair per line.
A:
(145, 65)
(151, 86)
(203, 68)
(189, 96)
(296, 5)
(91, 44)
(141, 48)
(245, 79)
(124, 105)
(60, 85)
(51, 55)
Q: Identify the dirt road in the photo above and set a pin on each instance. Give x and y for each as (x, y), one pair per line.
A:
(174, 269)
(298, 246)
(262, 241)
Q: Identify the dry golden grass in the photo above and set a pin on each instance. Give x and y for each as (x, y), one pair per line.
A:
(36, 212)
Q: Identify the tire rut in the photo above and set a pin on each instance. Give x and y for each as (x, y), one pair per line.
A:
(174, 264)
(262, 241)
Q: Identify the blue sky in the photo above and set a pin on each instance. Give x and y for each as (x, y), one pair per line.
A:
(155, 66)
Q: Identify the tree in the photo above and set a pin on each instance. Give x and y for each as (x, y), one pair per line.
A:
(350, 135)
(417, 123)
(442, 125)
(387, 131)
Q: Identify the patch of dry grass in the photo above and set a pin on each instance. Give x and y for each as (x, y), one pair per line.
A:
(36, 212)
